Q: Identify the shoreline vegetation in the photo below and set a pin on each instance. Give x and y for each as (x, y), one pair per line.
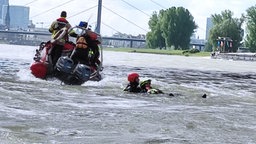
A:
(158, 51)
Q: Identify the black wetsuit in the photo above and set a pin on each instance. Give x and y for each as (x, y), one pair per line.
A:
(133, 87)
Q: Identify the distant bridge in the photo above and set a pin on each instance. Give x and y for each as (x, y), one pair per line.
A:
(48, 34)
(25, 32)
(131, 40)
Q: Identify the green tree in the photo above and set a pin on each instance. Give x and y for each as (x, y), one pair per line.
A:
(174, 25)
(226, 26)
(208, 47)
(250, 40)
(155, 38)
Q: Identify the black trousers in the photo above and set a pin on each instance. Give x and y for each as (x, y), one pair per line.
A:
(80, 55)
(56, 53)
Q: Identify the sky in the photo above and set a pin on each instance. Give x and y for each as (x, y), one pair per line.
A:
(127, 16)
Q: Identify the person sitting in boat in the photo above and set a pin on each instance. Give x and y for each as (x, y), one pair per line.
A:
(137, 87)
(59, 29)
(87, 50)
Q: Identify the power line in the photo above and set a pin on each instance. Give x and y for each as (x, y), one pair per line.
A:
(92, 8)
(136, 8)
(125, 19)
(158, 4)
(82, 11)
(52, 8)
(111, 27)
(31, 2)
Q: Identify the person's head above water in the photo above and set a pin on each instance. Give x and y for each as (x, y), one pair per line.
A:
(133, 77)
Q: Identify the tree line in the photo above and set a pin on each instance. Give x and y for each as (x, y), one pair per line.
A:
(173, 27)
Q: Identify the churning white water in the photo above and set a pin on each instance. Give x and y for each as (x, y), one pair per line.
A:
(38, 111)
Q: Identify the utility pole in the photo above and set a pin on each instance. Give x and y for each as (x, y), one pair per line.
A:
(97, 29)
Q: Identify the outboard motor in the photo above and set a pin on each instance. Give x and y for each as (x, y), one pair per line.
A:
(65, 64)
(82, 72)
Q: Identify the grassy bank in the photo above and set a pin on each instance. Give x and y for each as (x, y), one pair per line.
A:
(158, 51)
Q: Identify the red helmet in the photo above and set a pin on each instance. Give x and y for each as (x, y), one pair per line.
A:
(132, 77)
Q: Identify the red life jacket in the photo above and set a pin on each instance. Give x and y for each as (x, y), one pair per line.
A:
(62, 19)
(62, 22)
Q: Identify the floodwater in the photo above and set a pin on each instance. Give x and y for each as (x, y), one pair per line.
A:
(39, 111)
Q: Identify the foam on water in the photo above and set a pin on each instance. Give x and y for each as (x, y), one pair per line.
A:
(39, 111)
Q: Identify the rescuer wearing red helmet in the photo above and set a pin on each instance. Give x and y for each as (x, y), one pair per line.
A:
(134, 82)
(143, 87)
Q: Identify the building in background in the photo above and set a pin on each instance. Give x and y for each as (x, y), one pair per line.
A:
(13, 17)
(19, 17)
(2, 4)
(209, 25)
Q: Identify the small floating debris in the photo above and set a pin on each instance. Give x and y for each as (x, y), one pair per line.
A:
(171, 94)
(204, 96)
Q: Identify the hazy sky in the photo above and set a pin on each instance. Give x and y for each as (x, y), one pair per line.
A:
(127, 16)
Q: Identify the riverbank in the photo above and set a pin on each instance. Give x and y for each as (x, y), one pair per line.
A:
(235, 56)
(158, 51)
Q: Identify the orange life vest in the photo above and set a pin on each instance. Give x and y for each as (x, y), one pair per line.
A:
(81, 43)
